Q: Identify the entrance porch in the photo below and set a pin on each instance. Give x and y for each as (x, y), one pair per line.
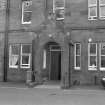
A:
(51, 61)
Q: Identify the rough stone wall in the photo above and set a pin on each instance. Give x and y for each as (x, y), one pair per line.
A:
(85, 76)
(19, 36)
(76, 15)
(16, 14)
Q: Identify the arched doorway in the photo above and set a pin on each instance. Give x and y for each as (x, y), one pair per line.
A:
(52, 61)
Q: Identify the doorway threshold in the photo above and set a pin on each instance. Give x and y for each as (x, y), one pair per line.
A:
(51, 82)
(49, 85)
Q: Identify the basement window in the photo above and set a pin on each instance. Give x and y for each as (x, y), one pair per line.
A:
(26, 11)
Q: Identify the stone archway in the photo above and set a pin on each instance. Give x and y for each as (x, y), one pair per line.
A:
(52, 61)
(38, 58)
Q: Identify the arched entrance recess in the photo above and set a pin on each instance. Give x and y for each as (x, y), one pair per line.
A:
(40, 47)
(52, 61)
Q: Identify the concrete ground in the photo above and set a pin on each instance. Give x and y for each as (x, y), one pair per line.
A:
(51, 95)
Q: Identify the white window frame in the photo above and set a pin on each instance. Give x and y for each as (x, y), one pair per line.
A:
(89, 55)
(23, 3)
(101, 68)
(59, 8)
(101, 5)
(89, 6)
(11, 55)
(75, 55)
(25, 54)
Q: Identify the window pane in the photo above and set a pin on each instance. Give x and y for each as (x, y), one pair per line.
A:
(103, 48)
(13, 61)
(26, 49)
(55, 47)
(93, 61)
(59, 3)
(15, 49)
(25, 60)
(92, 11)
(102, 11)
(28, 6)
(92, 48)
(59, 13)
(77, 49)
(102, 1)
(102, 61)
(27, 16)
(14, 56)
(92, 2)
(77, 61)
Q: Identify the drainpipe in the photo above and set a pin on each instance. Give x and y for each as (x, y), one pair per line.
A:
(45, 9)
(6, 40)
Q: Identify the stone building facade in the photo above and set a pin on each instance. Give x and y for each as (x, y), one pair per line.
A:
(58, 40)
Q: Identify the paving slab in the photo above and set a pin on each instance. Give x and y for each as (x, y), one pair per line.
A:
(51, 95)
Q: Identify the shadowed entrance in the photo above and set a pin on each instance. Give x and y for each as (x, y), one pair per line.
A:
(53, 61)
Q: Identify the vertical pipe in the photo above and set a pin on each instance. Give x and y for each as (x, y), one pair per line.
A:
(6, 40)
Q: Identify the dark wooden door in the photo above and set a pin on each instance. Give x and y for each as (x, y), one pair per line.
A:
(55, 70)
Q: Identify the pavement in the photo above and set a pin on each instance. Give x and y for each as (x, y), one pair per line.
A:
(49, 86)
(20, 94)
